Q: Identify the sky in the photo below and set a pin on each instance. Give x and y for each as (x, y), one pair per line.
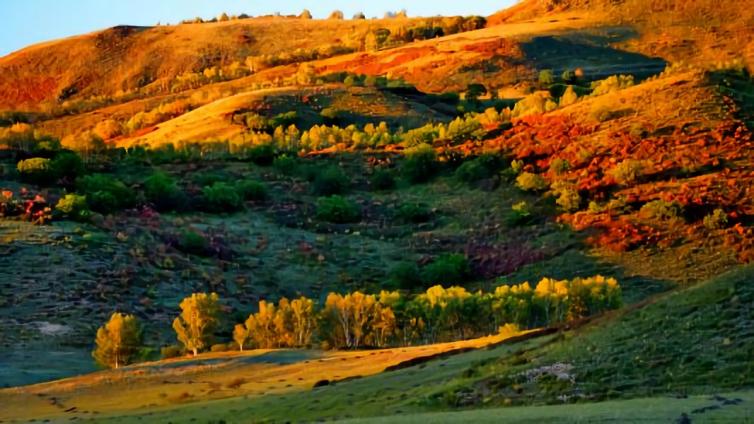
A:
(28, 22)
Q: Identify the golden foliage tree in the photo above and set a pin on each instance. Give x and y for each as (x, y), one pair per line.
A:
(198, 317)
(117, 341)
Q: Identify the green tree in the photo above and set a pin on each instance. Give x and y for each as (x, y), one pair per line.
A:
(198, 317)
(117, 341)
(546, 77)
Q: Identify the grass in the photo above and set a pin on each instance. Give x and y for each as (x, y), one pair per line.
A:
(667, 409)
(246, 377)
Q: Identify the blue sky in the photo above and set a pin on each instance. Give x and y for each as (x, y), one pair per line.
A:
(27, 22)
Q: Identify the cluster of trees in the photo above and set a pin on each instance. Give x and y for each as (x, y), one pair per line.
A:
(287, 136)
(359, 320)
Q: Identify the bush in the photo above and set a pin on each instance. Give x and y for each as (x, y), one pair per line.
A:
(628, 171)
(161, 190)
(414, 213)
(662, 210)
(559, 166)
(717, 220)
(221, 197)
(263, 154)
(67, 165)
(286, 165)
(105, 194)
(252, 190)
(420, 164)
(193, 243)
(567, 196)
(528, 181)
(36, 170)
(405, 275)
(337, 209)
(74, 207)
(219, 347)
(382, 179)
(208, 178)
(546, 77)
(446, 269)
(520, 214)
(172, 351)
(478, 169)
(331, 180)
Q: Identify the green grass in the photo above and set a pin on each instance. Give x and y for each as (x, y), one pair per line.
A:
(659, 410)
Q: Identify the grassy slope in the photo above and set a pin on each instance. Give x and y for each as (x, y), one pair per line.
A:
(164, 385)
(122, 58)
(696, 343)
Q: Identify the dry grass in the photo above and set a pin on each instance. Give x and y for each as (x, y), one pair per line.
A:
(211, 376)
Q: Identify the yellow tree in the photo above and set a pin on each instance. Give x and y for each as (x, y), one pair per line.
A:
(240, 335)
(198, 316)
(117, 341)
(302, 310)
(261, 326)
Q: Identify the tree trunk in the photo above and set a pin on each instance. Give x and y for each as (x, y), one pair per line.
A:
(195, 351)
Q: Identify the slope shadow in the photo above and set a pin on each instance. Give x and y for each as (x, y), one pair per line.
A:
(591, 51)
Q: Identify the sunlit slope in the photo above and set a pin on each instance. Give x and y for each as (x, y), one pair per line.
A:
(172, 383)
(127, 58)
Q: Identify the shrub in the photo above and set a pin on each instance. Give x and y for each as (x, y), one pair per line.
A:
(628, 171)
(252, 190)
(528, 181)
(477, 169)
(662, 210)
(414, 213)
(612, 84)
(569, 97)
(74, 207)
(208, 178)
(67, 165)
(161, 190)
(382, 179)
(559, 166)
(219, 347)
(221, 197)
(337, 209)
(446, 269)
(567, 196)
(286, 165)
(420, 164)
(405, 275)
(105, 194)
(718, 219)
(520, 214)
(263, 154)
(36, 170)
(172, 351)
(331, 180)
(546, 77)
(193, 243)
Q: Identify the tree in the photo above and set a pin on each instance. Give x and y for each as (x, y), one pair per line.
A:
(302, 310)
(240, 335)
(569, 97)
(224, 17)
(198, 317)
(117, 341)
(336, 14)
(546, 77)
(305, 14)
(359, 15)
(474, 91)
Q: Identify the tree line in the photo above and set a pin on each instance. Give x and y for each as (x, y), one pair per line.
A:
(358, 320)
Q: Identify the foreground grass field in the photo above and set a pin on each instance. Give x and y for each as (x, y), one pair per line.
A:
(726, 408)
(166, 385)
